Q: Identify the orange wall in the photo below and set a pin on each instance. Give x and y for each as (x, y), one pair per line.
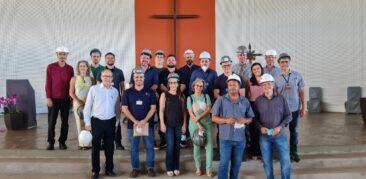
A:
(196, 34)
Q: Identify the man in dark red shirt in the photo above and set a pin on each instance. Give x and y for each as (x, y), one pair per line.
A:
(57, 93)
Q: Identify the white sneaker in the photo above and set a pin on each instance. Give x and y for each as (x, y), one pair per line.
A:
(176, 172)
(170, 173)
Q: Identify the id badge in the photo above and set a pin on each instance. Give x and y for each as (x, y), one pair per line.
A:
(288, 87)
(138, 102)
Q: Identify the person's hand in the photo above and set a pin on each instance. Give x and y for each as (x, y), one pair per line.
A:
(195, 119)
(88, 128)
(184, 129)
(163, 128)
(264, 130)
(230, 120)
(302, 112)
(276, 131)
(200, 127)
(80, 103)
(49, 102)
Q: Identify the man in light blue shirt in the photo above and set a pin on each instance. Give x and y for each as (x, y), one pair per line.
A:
(232, 112)
(100, 119)
(270, 68)
(243, 67)
(290, 84)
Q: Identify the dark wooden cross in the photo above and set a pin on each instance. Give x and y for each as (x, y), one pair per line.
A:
(175, 17)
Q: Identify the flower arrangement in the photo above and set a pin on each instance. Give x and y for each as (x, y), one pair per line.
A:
(9, 104)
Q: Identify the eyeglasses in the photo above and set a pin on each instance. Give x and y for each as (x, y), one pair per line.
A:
(199, 86)
(106, 76)
(173, 82)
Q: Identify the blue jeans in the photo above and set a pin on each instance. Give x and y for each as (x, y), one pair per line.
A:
(172, 137)
(294, 132)
(149, 147)
(230, 150)
(281, 145)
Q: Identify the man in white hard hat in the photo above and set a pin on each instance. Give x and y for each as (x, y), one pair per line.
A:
(100, 119)
(271, 124)
(232, 113)
(58, 78)
(291, 85)
(204, 73)
(270, 68)
(243, 67)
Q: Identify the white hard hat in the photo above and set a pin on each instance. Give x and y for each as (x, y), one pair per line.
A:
(205, 55)
(62, 49)
(271, 52)
(188, 51)
(266, 78)
(234, 77)
(85, 138)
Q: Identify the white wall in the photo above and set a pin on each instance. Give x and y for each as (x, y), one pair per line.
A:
(325, 38)
(31, 30)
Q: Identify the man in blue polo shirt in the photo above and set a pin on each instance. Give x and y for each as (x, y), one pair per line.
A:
(290, 84)
(151, 73)
(220, 86)
(139, 106)
(205, 73)
(232, 112)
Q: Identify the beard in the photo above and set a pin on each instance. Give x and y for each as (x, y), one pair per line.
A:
(189, 62)
(171, 66)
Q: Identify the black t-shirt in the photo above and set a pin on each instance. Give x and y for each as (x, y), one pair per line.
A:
(173, 114)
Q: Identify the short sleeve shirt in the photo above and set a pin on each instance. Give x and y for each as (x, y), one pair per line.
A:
(139, 104)
(225, 108)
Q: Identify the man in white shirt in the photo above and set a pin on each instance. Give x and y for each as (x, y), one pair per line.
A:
(100, 119)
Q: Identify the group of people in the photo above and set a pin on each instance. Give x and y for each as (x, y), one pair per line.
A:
(248, 102)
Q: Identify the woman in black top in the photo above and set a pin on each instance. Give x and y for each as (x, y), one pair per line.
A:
(172, 122)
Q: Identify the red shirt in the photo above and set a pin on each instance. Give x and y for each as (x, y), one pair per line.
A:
(58, 81)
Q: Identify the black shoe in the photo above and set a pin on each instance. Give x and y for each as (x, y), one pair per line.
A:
(295, 158)
(50, 147)
(62, 146)
(110, 173)
(183, 144)
(95, 175)
(120, 147)
(163, 145)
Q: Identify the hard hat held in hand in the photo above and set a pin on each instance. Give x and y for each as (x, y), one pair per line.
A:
(85, 138)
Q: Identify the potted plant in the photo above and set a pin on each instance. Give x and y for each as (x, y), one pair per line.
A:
(13, 117)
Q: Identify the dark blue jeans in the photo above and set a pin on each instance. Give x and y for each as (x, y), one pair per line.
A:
(230, 151)
(281, 145)
(172, 137)
(294, 132)
(149, 147)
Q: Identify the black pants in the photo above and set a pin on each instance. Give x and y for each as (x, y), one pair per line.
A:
(103, 129)
(254, 133)
(62, 105)
(118, 138)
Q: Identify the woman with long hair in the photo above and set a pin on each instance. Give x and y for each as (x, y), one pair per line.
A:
(172, 122)
(254, 90)
(79, 88)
